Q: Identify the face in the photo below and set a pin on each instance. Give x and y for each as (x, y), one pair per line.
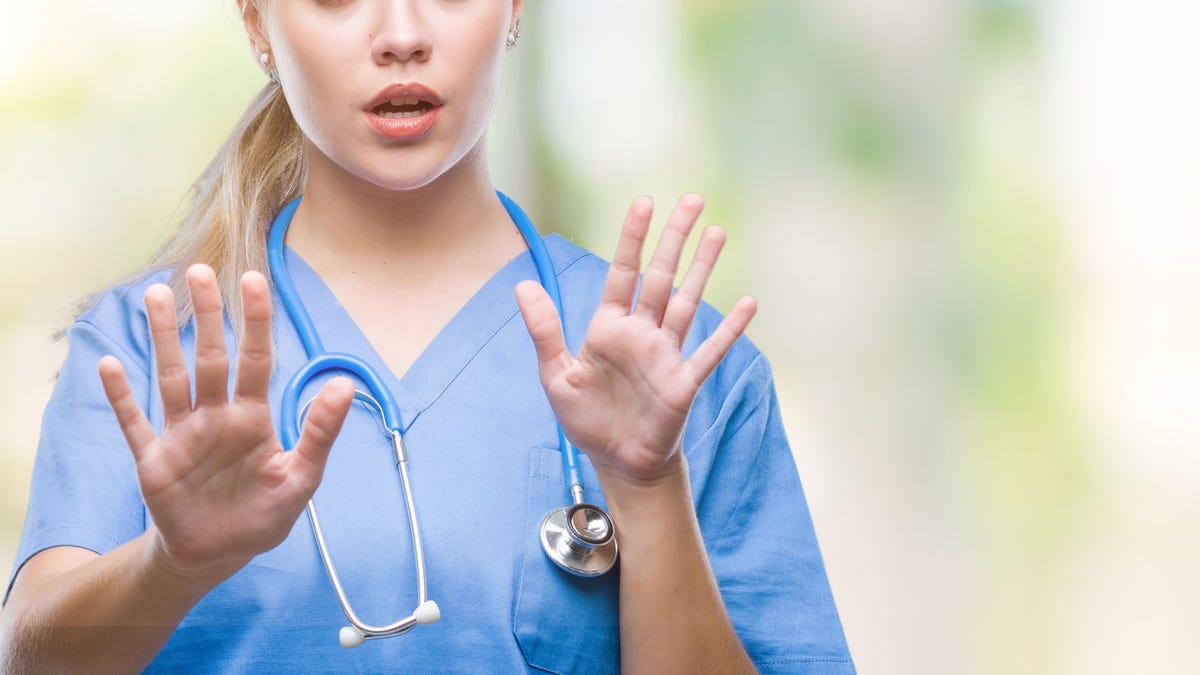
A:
(395, 92)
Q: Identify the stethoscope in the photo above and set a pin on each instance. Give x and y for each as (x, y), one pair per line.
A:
(579, 538)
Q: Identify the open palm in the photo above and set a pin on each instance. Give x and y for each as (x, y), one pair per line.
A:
(216, 482)
(625, 398)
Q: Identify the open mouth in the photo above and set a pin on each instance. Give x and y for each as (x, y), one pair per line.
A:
(402, 106)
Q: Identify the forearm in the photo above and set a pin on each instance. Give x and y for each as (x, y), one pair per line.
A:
(111, 614)
(672, 618)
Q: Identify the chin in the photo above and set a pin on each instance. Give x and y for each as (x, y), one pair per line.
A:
(393, 169)
(410, 168)
(400, 183)
(400, 175)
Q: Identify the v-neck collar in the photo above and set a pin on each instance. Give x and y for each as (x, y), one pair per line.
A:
(488, 311)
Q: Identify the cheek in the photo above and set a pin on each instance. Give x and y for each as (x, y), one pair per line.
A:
(319, 93)
(484, 80)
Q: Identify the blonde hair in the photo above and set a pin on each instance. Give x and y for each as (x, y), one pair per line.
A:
(232, 203)
(229, 209)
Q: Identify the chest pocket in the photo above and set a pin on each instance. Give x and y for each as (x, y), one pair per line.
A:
(563, 623)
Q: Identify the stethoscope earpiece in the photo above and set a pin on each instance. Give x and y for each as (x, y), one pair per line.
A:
(350, 637)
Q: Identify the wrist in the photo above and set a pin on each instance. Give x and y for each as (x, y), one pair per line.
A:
(635, 499)
(637, 466)
(187, 579)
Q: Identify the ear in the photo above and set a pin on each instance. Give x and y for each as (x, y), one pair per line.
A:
(517, 7)
(253, 20)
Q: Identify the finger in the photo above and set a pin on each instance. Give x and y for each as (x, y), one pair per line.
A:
(254, 352)
(660, 273)
(711, 351)
(621, 282)
(681, 308)
(321, 427)
(138, 432)
(542, 322)
(173, 382)
(212, 357)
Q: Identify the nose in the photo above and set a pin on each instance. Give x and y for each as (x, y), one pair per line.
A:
(401, 32)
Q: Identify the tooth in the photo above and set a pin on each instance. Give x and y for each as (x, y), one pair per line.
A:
(401, 115)
(411, 100)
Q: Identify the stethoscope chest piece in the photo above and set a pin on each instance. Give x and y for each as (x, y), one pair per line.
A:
(580, 539)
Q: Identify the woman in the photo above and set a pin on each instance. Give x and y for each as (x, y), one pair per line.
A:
(168, 536)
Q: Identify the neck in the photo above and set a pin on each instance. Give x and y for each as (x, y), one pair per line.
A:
(346, 224)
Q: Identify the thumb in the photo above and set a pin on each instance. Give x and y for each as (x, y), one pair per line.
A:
(321, 427)
(542, 322)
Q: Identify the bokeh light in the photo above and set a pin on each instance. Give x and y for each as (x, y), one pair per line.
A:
(970, 226)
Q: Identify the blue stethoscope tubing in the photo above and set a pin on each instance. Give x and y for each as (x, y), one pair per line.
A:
(579, 539)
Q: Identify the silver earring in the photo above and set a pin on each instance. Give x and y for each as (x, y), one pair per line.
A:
(265, 59)
(513, 35)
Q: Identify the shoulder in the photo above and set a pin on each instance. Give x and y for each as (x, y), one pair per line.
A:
(575, 264)
(117, 316)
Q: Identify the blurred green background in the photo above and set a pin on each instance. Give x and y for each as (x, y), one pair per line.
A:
(971, 226)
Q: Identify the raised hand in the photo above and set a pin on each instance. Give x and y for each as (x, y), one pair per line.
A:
(217, 484)
(625, 398)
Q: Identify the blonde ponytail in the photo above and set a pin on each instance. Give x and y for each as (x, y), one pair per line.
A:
(260, 168)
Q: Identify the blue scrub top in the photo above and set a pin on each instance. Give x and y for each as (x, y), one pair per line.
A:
(485, 469)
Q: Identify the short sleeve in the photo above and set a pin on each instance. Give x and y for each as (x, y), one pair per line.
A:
(757, 527)
(84, 490)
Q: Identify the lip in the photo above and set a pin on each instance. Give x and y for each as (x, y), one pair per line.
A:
(415, 89)
(404, 128)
